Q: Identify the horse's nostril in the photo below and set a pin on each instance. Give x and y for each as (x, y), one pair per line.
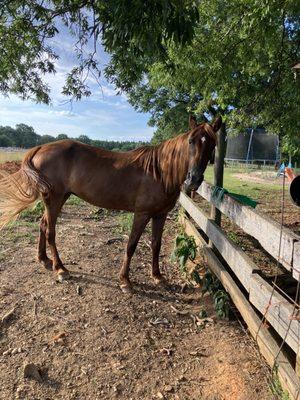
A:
(189, 175)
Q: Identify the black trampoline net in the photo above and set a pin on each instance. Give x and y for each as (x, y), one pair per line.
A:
(253, 145)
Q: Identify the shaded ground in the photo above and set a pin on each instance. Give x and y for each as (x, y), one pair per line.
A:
(90, 341)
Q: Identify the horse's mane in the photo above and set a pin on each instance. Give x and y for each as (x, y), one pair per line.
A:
(168, 161)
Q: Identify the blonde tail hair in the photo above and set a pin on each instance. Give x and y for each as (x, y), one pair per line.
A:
(21, 189)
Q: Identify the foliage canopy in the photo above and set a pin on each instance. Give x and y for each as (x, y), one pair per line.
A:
(129, 30)
(172, 57)
(238, 65)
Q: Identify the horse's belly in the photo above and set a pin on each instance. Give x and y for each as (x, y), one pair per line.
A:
(128, 193)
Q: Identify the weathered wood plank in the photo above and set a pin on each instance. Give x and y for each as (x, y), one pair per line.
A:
(267, 345)
(296, 261)
(278, 313)
(256, 224)
(238, 261)
(298, 365)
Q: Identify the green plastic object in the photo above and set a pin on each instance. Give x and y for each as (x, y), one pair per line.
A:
(218, 194)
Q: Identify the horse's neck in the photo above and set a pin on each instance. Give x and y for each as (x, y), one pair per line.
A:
(173, 160)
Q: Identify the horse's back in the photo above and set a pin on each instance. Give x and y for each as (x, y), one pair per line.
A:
(58, 160)
(91, 173)
(103, 178)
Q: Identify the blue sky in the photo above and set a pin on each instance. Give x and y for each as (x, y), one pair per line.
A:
(104, 115)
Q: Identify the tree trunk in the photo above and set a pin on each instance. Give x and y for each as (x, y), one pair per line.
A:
(215, 214)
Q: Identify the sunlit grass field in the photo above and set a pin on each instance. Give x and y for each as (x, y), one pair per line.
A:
(11, 155)
(244, 185)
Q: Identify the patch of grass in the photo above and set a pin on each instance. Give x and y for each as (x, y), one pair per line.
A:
(242, 186)
(19, 230)
(74, 200)
(236, 239)
(34, 213)
(276, 388)
(21, 223)
(11, 156)
(125, 221)
(15, 235)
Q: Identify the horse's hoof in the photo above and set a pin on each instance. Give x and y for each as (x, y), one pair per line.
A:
(62, 275)
(47, 264)
(126, 288)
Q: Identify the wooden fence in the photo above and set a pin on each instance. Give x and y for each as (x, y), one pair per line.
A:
(253, 296)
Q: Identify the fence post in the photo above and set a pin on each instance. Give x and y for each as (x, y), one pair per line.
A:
(215, 214)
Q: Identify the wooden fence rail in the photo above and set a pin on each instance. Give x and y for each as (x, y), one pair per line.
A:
(278, 311)
(261, 227)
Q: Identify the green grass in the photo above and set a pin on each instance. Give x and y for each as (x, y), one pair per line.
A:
(74, 200)
(20, 231)
(276, 388)
(11, 156)
(125, 221)
(244, 187)
(34, 213)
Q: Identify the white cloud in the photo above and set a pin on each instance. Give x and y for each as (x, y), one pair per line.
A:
(105, 114)
(108, 91)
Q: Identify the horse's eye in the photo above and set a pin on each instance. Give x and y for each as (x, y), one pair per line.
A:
(191, 141)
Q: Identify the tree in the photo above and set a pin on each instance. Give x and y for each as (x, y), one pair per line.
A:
(62, 136)
(26, 136)
(46, 139)
(5, 141)
(134, 33)
(238, 65)
(14, 135)
(169, 107)
(84, 139)
(291, 147)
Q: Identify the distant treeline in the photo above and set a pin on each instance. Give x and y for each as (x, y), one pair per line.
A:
(25, 137)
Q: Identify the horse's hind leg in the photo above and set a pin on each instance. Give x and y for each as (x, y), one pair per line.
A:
(157, 230)
(42, 255)
(53, 204)
(139, 223)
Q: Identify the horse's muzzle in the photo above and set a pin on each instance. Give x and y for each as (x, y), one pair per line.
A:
(192, 182)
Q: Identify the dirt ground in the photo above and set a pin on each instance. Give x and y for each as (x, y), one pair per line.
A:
(90, 341)
(265, 177)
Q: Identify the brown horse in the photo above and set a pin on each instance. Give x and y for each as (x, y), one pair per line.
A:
(145, 181)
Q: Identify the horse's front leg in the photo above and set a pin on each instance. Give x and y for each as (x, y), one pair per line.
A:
(139, 223)
(157, 230)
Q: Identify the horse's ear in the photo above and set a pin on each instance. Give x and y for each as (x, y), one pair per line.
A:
(192, 121)
(216, 125)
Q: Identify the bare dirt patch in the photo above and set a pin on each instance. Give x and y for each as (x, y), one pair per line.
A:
(90, 341)
(269, 177)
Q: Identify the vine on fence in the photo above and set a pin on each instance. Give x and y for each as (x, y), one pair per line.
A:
(186, 249)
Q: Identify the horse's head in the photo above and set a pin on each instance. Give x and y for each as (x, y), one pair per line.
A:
(201, 141)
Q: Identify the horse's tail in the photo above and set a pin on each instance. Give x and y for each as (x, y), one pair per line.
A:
(21, 189)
